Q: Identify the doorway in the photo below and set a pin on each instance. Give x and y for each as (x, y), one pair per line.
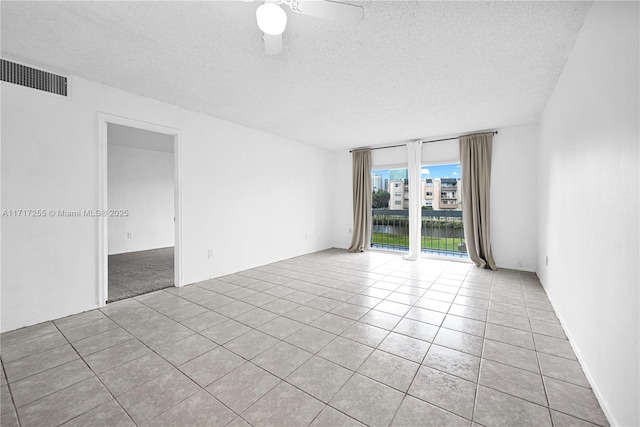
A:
(140, 199)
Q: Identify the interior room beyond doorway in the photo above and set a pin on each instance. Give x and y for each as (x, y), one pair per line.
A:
(141, 230)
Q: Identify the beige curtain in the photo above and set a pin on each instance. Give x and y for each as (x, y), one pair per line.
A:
(475, 162)
(361, 240)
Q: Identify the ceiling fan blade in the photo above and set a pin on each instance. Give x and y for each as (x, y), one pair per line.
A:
(343, 13)
(272, 44)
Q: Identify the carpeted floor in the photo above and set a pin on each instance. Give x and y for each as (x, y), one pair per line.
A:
(137, 273)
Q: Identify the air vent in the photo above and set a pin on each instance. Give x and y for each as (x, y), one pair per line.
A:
(33, 78)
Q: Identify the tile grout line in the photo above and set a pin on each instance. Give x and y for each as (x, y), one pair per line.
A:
(250, 361)
(97, 378)
(407, 276)
(477, 388)
(353, 372)
(173, 368)
(405, 393)
(544, 384)
(484, 337)
(15, 408)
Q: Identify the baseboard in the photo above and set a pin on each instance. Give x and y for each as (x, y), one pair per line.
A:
(140, 250)
(596, 391)
(223, 273)
(49, 318)
(338, 246)
(446, 258)
(518, 268)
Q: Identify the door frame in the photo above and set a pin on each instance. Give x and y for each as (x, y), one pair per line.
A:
(103, 227)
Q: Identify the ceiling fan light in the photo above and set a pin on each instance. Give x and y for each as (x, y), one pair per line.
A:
(271, 19)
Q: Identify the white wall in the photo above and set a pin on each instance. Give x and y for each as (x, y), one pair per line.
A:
(50, 161)
(588, 205)
(514, 207)
(140, 181)
(513, 191)
(342, 200)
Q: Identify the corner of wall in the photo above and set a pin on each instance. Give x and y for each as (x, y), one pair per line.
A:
(588, 146)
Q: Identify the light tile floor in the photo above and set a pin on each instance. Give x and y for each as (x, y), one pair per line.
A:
(327, 339)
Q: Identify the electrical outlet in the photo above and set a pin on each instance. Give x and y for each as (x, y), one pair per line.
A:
(546, 260)
(129, 235)
(210, 253)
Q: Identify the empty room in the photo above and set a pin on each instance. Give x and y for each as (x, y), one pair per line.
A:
(320, 213)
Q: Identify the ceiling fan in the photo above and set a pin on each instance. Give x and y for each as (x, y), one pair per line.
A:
(272, 19)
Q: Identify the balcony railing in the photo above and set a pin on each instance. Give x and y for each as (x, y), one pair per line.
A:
(442, 232)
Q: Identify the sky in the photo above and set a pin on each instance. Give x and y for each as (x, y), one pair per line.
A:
(439, 171)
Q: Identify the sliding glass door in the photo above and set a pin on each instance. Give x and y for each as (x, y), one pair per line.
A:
(390, 209)
(442, 232)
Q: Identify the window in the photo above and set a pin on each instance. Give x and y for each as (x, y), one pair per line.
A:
(389, 226)
(441, 222)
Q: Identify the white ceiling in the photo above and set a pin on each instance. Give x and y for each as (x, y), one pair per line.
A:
(409, 70)
(139, 138)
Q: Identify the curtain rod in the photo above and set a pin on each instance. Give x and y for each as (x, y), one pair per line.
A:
(495, 132)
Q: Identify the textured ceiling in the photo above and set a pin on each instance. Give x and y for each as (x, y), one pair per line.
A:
(409, 70)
